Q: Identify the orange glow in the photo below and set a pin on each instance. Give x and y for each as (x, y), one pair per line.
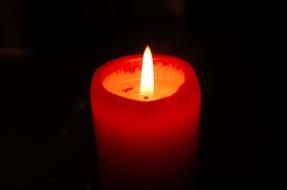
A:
(147, 75)
(161, 80)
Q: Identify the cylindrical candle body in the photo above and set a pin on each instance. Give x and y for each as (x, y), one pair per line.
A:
(146, 144)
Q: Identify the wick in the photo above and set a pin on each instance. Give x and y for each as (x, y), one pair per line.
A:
(145, 97)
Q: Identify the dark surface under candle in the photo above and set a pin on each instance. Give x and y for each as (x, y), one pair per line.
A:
(47, 139)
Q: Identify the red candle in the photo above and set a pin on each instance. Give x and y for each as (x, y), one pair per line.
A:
(146, 113)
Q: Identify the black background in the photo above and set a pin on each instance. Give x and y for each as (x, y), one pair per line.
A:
(47, 139)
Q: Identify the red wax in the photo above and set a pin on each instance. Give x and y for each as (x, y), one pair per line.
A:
(146, 144)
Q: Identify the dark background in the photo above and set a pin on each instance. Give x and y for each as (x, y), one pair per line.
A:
(49, 51)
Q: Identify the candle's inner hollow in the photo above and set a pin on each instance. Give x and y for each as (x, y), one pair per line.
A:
(126, 83)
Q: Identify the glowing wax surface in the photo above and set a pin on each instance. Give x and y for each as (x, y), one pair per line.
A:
(126, 84)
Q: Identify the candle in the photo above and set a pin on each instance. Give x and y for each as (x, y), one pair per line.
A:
(146, 112)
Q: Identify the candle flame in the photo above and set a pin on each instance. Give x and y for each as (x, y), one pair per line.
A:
(147, 75)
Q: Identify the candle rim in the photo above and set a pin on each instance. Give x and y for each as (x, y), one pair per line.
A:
(187, 69)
